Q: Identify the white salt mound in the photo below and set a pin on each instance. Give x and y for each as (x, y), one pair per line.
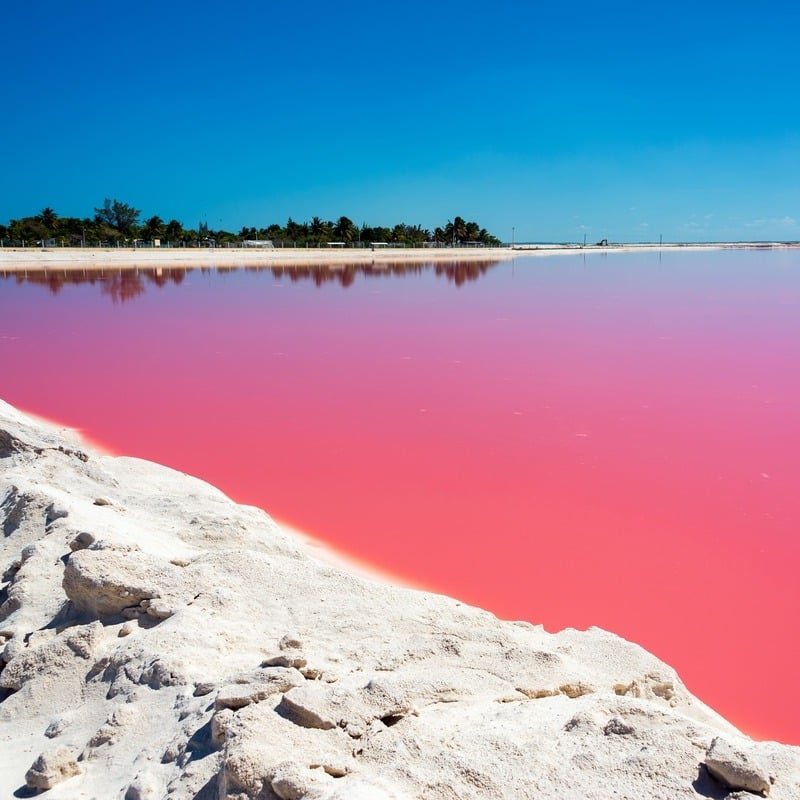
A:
(160, 641)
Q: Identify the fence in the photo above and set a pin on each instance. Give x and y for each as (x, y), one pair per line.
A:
(51, 244)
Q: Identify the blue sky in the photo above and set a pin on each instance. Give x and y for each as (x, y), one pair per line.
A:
(619, 120)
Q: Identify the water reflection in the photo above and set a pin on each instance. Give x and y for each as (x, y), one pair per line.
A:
(119, 285)
(122, 285)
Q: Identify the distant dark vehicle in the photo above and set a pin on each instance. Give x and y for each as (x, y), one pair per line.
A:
(603, 243)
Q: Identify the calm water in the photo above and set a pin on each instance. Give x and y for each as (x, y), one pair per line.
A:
(610, 440)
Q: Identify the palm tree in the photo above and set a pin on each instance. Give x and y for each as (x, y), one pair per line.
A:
(417, 234)
(293, 230)
(153, 228)
(48, 218)
(398, 234)
(174, 230)
(316, 229)
(345, 229)
(458, 229)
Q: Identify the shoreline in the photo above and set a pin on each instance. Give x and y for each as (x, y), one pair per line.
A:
(319, 548)
(189, 258)
(211, 627)
(68, 258)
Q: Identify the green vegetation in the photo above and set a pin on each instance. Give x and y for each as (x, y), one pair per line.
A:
(116, 223)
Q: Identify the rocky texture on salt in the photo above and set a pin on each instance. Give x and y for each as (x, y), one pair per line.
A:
(158, 640)
(51, 768)
(736, 768)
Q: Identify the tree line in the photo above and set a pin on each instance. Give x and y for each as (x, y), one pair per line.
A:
(117, 223)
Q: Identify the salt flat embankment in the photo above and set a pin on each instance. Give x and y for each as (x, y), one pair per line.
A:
(30, 258)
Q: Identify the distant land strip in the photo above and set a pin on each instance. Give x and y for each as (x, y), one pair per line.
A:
(68, 258)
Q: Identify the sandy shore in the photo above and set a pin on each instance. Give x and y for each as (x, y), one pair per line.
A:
(16, 259)
(122, 258)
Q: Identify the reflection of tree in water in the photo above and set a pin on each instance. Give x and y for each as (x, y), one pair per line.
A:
(461, 271)
(166, 275)
(119, 285)
(123, 285)
(458, 272)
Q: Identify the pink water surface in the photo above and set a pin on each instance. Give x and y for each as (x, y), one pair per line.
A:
(602, 440)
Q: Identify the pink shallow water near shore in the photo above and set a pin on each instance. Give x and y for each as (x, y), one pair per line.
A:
(609, 441)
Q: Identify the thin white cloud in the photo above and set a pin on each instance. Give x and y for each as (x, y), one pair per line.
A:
(772, 222)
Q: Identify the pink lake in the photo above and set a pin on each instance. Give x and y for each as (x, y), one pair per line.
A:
(608, 440)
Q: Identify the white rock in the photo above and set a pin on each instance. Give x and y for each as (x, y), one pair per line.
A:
(104, 581)
(736, 768)
(56, 727)
(51, 768)
(158, 608)
(239, 695)
(146, 786)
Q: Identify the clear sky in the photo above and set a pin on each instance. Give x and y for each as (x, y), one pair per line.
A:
(617, 119)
